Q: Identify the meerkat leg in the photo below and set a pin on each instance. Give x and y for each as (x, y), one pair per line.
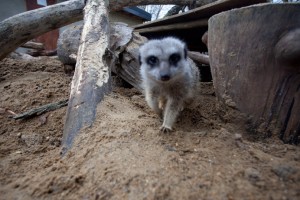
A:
(172, 109)
(153, 103)
(162, 103)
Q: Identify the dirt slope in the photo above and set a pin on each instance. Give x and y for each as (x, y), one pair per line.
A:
(123, 156)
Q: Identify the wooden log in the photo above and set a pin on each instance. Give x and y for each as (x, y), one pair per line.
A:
(127, 64)
(91, 80)
(21, 56)
(204, 38)
(199, 57)
(257, 70)
(36, 53)
(33, 45)
(177, 26)
(129, 69)
(23, 27)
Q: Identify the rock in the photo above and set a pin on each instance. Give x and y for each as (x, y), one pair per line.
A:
(284, 171)
(252, 175)
(19, 135)
(31, 139)
(237, 136)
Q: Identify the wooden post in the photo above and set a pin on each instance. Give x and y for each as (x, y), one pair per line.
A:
(91, 80)
(254, 56)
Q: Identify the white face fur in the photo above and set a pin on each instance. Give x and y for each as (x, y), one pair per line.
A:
(163, 60)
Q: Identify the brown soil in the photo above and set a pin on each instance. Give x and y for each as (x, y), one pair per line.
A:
(124, 156)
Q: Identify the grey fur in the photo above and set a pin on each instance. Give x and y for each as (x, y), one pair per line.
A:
(169, 78)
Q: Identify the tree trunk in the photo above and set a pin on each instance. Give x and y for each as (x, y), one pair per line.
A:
(91, 80)
(254, 56)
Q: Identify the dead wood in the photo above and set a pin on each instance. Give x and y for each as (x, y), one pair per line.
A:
(205, 38)
(177, 26)
(36, 53)
(128, 67)
(199, 57)
(49, 52)
(21, 56)
(255, 74)
(23, 27)
(33, 45)
(91, 80)
(42, 109)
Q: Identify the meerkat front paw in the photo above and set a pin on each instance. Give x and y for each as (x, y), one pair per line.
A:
(165, 129)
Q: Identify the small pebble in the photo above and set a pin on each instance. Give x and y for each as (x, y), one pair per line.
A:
(237, 136)
(19, 135)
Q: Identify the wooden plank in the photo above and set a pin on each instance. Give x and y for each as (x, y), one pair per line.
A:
(205, 11)
(177, 26)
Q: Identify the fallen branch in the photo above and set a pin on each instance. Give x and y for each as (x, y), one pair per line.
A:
(199, 57)
(36, 53)
(91, 80)
(23, 27)
(41, 110)
(33, 45)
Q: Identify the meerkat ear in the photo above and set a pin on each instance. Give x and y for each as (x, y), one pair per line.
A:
(185, 52)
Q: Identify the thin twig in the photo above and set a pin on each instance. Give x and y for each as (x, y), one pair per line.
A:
(41, 110)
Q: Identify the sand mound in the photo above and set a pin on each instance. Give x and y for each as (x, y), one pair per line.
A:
(124, 156)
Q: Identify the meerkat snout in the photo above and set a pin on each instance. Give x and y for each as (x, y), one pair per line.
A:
(164, 72)
(169, 77)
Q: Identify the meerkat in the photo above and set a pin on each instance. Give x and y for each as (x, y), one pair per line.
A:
(169, 78)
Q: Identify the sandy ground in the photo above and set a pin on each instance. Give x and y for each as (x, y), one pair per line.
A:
(124, 156)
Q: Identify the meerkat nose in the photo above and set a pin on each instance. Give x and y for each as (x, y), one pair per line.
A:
(165, 77)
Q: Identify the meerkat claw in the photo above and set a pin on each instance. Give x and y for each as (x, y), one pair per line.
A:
(165, 129)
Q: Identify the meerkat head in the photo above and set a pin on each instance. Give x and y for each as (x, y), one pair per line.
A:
(163, 60)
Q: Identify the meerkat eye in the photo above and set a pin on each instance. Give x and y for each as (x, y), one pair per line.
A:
(152, 60)
(174, 58)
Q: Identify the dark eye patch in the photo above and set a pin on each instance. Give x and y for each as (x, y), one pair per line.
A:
(174, 59)
(152, 60)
